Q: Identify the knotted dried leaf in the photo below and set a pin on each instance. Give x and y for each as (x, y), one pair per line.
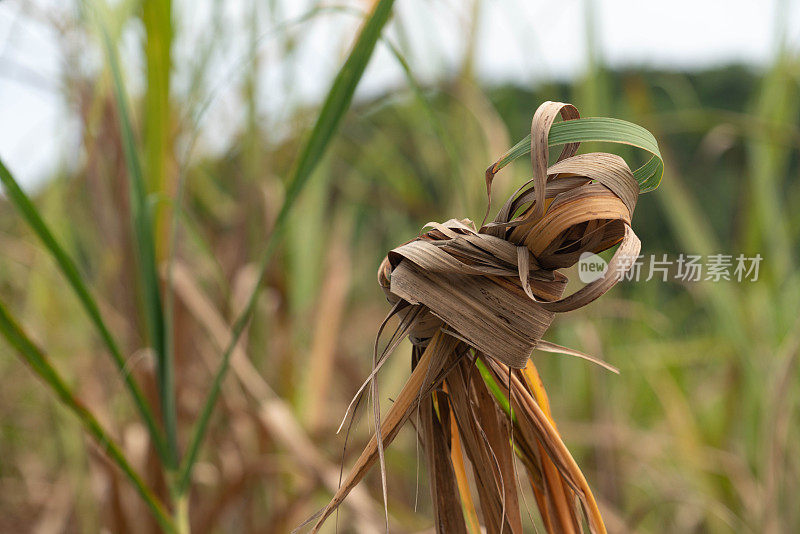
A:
(476, 302)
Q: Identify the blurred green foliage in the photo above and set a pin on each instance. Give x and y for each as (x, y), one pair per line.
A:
(699, 433)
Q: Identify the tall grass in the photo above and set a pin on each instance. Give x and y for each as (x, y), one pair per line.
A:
(147, 225)
(698, 433)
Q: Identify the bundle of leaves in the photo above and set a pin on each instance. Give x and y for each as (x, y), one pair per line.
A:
(475, 303)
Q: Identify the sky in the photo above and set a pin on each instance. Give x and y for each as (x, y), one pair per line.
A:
(523, 41)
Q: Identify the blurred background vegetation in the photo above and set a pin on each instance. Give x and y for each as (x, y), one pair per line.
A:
(699, 433)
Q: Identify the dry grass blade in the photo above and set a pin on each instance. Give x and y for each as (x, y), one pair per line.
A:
(444, 487)
(493, 292)
(274, 413)
(547, 346)
(495, 428)
(457, 459)
(327, 326)
(541, 430)
(430, 365)
(486, 467)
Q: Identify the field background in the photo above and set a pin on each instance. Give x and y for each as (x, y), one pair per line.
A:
(699, 432)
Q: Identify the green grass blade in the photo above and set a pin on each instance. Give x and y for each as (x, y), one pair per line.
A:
(157, 19)
(494, 388)
(336, 104)
(40, 365)
(146, 257)
(768, 162)
(195, 131)
(31, 215)
(438, 128)
(337, 101)
(601, 129)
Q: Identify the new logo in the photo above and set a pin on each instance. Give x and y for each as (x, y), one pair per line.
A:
(591, 267)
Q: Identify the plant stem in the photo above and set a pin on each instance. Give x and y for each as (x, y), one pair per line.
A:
(181, 514)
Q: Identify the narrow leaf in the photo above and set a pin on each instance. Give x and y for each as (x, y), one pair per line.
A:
(40, 365)
(604, 129)
(336, 104)
(145, 252)
(26, 208)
